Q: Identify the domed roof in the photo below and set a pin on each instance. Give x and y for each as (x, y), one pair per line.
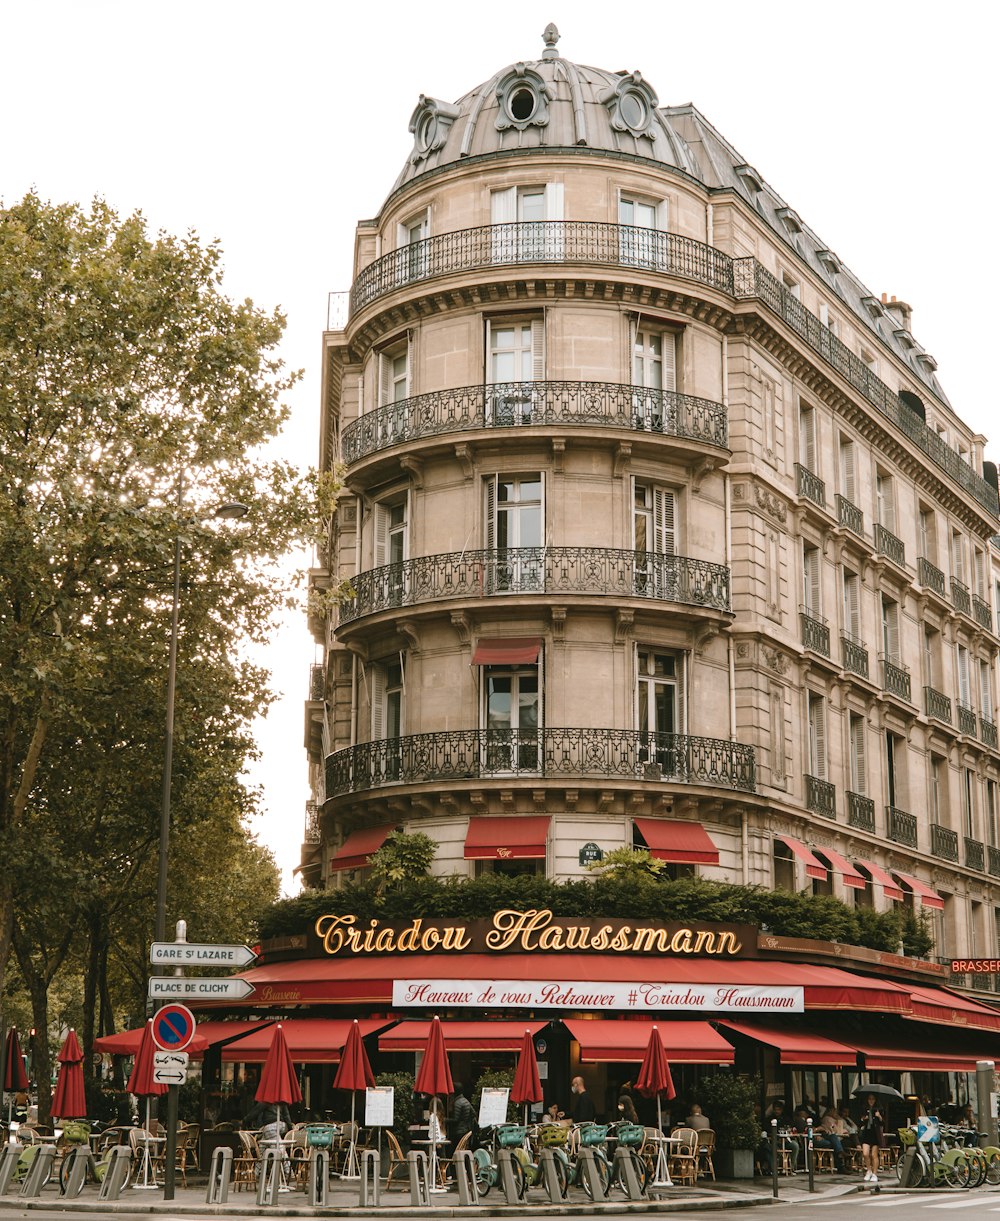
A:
(546, 103)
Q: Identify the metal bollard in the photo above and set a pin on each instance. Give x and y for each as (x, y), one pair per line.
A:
(318, 1177)
(465, 1173)
(810, 1160)
(774, 1158)
(115, 1173)
(269, 1176)
(505, 1164)
(220, 1173)
(76, 1160)
(420, 1190)
(587, 1166)
(9, 1155)
(41, 1170)
(623, 1170)
(550, 1176)
(370, 1192)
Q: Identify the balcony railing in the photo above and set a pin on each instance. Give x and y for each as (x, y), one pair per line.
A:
(815, 632)
(559, 404)
(937, 705)
(961, 599)
(975, 854)
(554, 754)
(850, 516)
(311, 833)
(901, 826)
(887, 544)
(538, 570)
(993, 860)
(821, 797)
(895, 678)
(860, 812)
(809, 485)
(317, 682)
(944, 842)
(855, 655)
(988, 732)
(930, 576)
(981, 613)
(966, 719)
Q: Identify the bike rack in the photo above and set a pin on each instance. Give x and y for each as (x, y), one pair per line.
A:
(420, 1188)
(550, 1176)
(116, 1172)
(220, 1173)
(318, 1177)
(587, 1166)
(625, 1170)
(10, 1155)
(77, 1159)
(505, 1164)
(465, 1172)
(41, 1169)
(269, 1176)
(370, 1190)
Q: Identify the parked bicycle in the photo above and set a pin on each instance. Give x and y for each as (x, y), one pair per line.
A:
(629, 1136)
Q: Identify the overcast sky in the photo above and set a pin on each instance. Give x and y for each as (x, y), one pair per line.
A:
(275, 128)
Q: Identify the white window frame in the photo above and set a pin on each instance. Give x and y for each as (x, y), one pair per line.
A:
(515, 402)
(641, 245)
(653, 406)
(526, 741)
(652, 749)
(885, 500)
(519, 573)
(413, 257)
(531, 239)
(816, 720)
(890, 630)
(856, 732)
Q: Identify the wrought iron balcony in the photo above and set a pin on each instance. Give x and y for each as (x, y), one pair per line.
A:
(901, 826)
(809, 485)
(855, 655)
(543, 242)
(815, 632)
(556, 404)
(975, 854)
(538, 570)
(895, 678)
(981, 613)
(937, 705)
(930, 576)
(961, 599)
(966, 719)
(821, 797)
(850, 515)
(311, 834)
(317, 682)
(993, 860)
(988, 732)
(860, 812)
(944, 842)
(887, 544)
(552, 754)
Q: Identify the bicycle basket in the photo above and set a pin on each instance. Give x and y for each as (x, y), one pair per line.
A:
(319, 1135)
(594, 1134)
(552, 1135)
(511, 1135)
(76, 1132)
(907, 1136)
(631, 1134)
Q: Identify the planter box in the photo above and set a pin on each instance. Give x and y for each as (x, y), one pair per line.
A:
(734, 1163)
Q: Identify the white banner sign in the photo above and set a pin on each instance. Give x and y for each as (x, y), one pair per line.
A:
(587, 994)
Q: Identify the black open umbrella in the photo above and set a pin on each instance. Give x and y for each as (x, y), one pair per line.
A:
(880, 1091)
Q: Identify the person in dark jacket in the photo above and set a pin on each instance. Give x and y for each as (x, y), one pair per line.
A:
(582, 1107)
(462, 1113)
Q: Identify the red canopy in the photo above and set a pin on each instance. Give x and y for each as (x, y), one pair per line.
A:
(14, 1076)
(797, 1046)
(354, 1072)
(128, 1042)
(675, 840)
(69, 1101)
(141, 1082)
(434, 1074)
(654, 1076)
(278, 1082)
(527, 1087)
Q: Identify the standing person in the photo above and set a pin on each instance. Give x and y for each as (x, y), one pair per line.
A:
(626, 1107)
(462, 1113)
(870, 1128)
(582, 1107)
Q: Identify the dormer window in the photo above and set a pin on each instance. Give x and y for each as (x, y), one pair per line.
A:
(430, 124)
(829, 261)
(874, 307)
(523, 98)
(790, 219)
(631, 104)
(751, 179)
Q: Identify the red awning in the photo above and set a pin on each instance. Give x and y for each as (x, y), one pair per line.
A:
(927, 896)
(507, 651)
(358, 847)
(843, 866)
(310, 1040)
(126, 1043)
(625, 1041)
(492, 838)
(670, 840)
(814, 868)
(879, 875)
(921, 1059)
(798, 1046)
(947, 1008)
(460, 1036)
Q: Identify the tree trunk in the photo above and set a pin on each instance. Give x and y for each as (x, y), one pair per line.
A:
(90, 985)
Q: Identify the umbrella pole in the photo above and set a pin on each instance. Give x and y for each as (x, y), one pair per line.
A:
(662, 1176)
(352, 1169)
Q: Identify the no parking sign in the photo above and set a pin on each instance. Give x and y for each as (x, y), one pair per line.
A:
(173, 1027)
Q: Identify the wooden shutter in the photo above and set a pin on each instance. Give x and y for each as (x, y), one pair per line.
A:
(817, 733)
(807, 438)
(985, 691)
(554, 196)
(668, 344)
(848, 482)
(537, 349)
(886, 502)
(680, 719)
(490, 513)
(852, 607)
(381, 535)
(810, 580)
(964, 677)
(664, 535)
(384, 378)
(957, 556)
(890, 623)
(857, 732)
(378, 702)
(980, 574)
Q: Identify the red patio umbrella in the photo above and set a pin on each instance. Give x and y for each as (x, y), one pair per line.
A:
(434, 1078)
(353, 1073)
(141, 1081)
(278, 1082)
(69, 1101)
(14, 1076)
(654, 1078)
(527, 1085)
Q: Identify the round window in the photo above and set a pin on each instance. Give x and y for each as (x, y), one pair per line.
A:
(425, 131)
(522, 104)
(633, 111)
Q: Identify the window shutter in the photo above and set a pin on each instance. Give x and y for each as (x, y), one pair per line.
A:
(817, 729)
(384, 379)
(985, 691)
(858, 753)
(957, 570)
(503, 206)
(409, 367)
(664, 536)
(847, 479)
(890, 623)
(669, 346)
(810, 580)
(488, 364)
(537, 349)
(807, 438)
(852, 608)
(490, 512)
(980, 575)
(680, 721)
(381, 535)
(378, 702)
(633, 328)
(964, 683)
(554, 201)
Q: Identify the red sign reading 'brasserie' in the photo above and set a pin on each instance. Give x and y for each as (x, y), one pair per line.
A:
(531, 932)
(975, 966)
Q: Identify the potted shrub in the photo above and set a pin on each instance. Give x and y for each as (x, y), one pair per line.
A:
(402, 1110)
(728, 1101)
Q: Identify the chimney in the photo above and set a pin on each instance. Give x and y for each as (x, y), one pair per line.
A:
(900, 311)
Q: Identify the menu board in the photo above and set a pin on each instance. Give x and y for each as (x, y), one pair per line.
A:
(379, 1103)
(493, 1107)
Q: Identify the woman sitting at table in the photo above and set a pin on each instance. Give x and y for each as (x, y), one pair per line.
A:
(268, 1117)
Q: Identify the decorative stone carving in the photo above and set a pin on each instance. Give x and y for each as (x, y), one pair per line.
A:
(773, 505)
(523, 98)
(430, 124)
(631, 105)
(775, 660)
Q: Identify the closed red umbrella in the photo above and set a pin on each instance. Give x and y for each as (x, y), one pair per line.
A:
(70, 1102)
(278, 1082)
(141, 1081)
(434, 1076)
(654, 1078)
(527, 1085)
(14, 1076)
(353, 1073)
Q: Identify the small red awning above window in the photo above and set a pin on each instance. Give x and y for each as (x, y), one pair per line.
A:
(927, 896)
(843, 866)
(460, 1036)
(920, 1059)
(507, 651)
(879, 875)
(625, 1042)
(670, 840)
(814, 868)
(358, 847)
(504, 839)
(798, 1046)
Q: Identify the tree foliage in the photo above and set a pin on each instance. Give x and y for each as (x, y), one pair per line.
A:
(402, 858)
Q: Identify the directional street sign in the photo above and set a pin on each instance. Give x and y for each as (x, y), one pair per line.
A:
(173, 1027)
(180, 954)
(169, 987)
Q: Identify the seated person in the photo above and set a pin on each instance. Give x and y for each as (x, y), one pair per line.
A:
(821, 1138)
(696, 1119)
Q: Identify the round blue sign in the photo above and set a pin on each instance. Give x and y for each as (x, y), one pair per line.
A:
(173, 1027)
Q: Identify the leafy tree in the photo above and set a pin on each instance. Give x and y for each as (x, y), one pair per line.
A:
(402, 858)
(628, 865)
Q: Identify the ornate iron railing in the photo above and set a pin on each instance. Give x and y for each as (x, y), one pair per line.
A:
(538, 570)
(479, 754)
(993, 860)
(815, 632)
(850, 515)
(988, 732)
(901, 826)
(311, 833)
(503, 406)
(855, 655)
(317, 682)
(975, 854)
(981, 612)
(821, 797)
(860, 812)
(944, 842)
(961, 599)
(895, 678)
(966, 719)
(809, 485)
(937, 705)
(887, 544)
(930, 576)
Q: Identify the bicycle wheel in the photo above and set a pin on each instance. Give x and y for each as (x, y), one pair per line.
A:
(992, 1155)
(639, 1168)
(484, 1171)
(955, 1168)
(977, 1167)
(520, 1178)
(562, 1174)
(603, 1174)
(66, 1169)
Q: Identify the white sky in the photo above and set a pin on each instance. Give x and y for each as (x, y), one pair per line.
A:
(276, 127)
